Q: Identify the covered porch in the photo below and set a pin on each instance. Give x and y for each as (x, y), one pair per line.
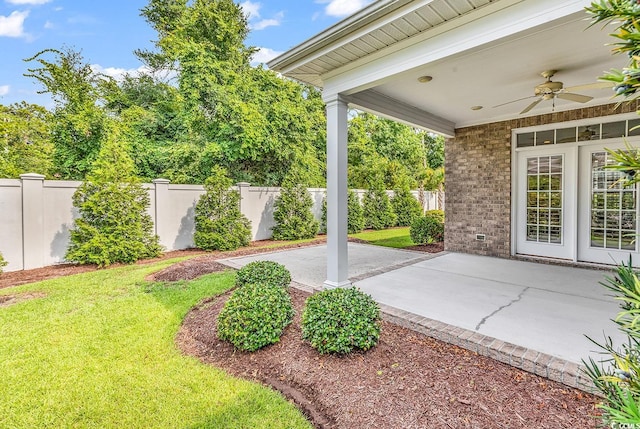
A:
(505, 81)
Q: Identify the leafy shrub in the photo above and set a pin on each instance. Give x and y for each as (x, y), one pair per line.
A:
(377, 210)
(428, 228)
(219, 223)
(263, 272)
(618, 378)
(355, 219)
(114, 225)
(3, 263)
(255, 316)
(406, 207)
(341, 320)
(293, 216)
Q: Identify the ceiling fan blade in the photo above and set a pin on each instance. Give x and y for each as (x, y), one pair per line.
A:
(513, 101)
(531, 106)
(595, 85)
(574, 97)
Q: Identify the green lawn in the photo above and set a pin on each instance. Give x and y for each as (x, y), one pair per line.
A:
(392, 237)
(98, 352)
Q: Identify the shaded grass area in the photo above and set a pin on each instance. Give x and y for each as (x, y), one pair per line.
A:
(398, 238)
(98, 352)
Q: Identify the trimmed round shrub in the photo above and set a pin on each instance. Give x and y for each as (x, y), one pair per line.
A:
(341, 320)
(263, 272)
(255, 316)
(428, 228)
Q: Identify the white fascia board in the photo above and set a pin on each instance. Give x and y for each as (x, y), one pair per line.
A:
(344, 32)
(487, 25)
(381, 105)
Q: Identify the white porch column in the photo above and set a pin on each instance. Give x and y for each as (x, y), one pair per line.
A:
(337, 257)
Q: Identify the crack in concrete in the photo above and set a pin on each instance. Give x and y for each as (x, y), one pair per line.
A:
(513, 301)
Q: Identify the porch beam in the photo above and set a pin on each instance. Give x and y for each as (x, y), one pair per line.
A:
(337, 251)
(380, 104)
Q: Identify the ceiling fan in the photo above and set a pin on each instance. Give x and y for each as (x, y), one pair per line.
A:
(550, 90)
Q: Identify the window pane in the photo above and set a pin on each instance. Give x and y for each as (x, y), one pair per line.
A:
(612, 130)
(524, 140)
(633, 127)
(544, 137)
(589, 132)
(566, 135)
(544, 207)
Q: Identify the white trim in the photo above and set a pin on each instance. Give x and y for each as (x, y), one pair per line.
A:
(425, 48)
(515, 151)
(574, 123)
(388, 107)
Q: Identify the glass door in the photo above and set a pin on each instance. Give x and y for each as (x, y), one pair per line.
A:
(546, 202)
(608, 216)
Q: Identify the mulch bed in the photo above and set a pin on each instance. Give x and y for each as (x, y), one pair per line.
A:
(407, 381)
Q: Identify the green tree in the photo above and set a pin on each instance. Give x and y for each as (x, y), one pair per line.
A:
(292, 213)
(246, 119)
(355, 217)
(114, 225)
(219, 223)
(25, 146)
(79, 123)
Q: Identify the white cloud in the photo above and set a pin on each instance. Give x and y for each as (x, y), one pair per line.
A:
(340, 8)
(264, 55)
(49, 25)
(4, 90)
(251, 9)
(271, 22)
(252, 12)
(13, 25)
(35, 2)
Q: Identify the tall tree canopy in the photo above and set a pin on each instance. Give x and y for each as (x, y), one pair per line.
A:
(202, 105)
(25, 145)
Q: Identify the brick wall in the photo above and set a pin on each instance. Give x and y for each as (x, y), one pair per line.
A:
(478, 180)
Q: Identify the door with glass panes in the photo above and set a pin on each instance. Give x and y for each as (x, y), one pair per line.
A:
(546, 206)
(608, 215)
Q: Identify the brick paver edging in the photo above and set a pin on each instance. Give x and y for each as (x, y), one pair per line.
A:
(568, 373)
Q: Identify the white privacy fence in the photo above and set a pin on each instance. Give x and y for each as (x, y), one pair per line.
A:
(36, 215)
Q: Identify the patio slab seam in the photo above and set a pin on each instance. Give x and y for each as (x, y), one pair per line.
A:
(387, 269)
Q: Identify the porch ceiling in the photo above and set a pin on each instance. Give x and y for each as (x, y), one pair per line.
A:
(502, 69)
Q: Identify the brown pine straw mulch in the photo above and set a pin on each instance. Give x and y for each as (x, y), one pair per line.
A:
(407, 381)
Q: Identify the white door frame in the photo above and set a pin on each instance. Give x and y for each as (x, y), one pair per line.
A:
(516, 228)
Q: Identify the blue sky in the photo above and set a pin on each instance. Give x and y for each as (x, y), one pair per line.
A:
(108, 31)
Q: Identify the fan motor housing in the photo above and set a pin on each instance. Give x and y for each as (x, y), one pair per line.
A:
(548, 88)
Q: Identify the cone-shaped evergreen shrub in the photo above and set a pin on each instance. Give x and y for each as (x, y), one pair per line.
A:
(219, 223)
(292, 213)
(377, 210)
(3, 263)
(355, 219)
(406, 207)
(113, 225)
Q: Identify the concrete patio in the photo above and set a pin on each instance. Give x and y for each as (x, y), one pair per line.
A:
(530, 315)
